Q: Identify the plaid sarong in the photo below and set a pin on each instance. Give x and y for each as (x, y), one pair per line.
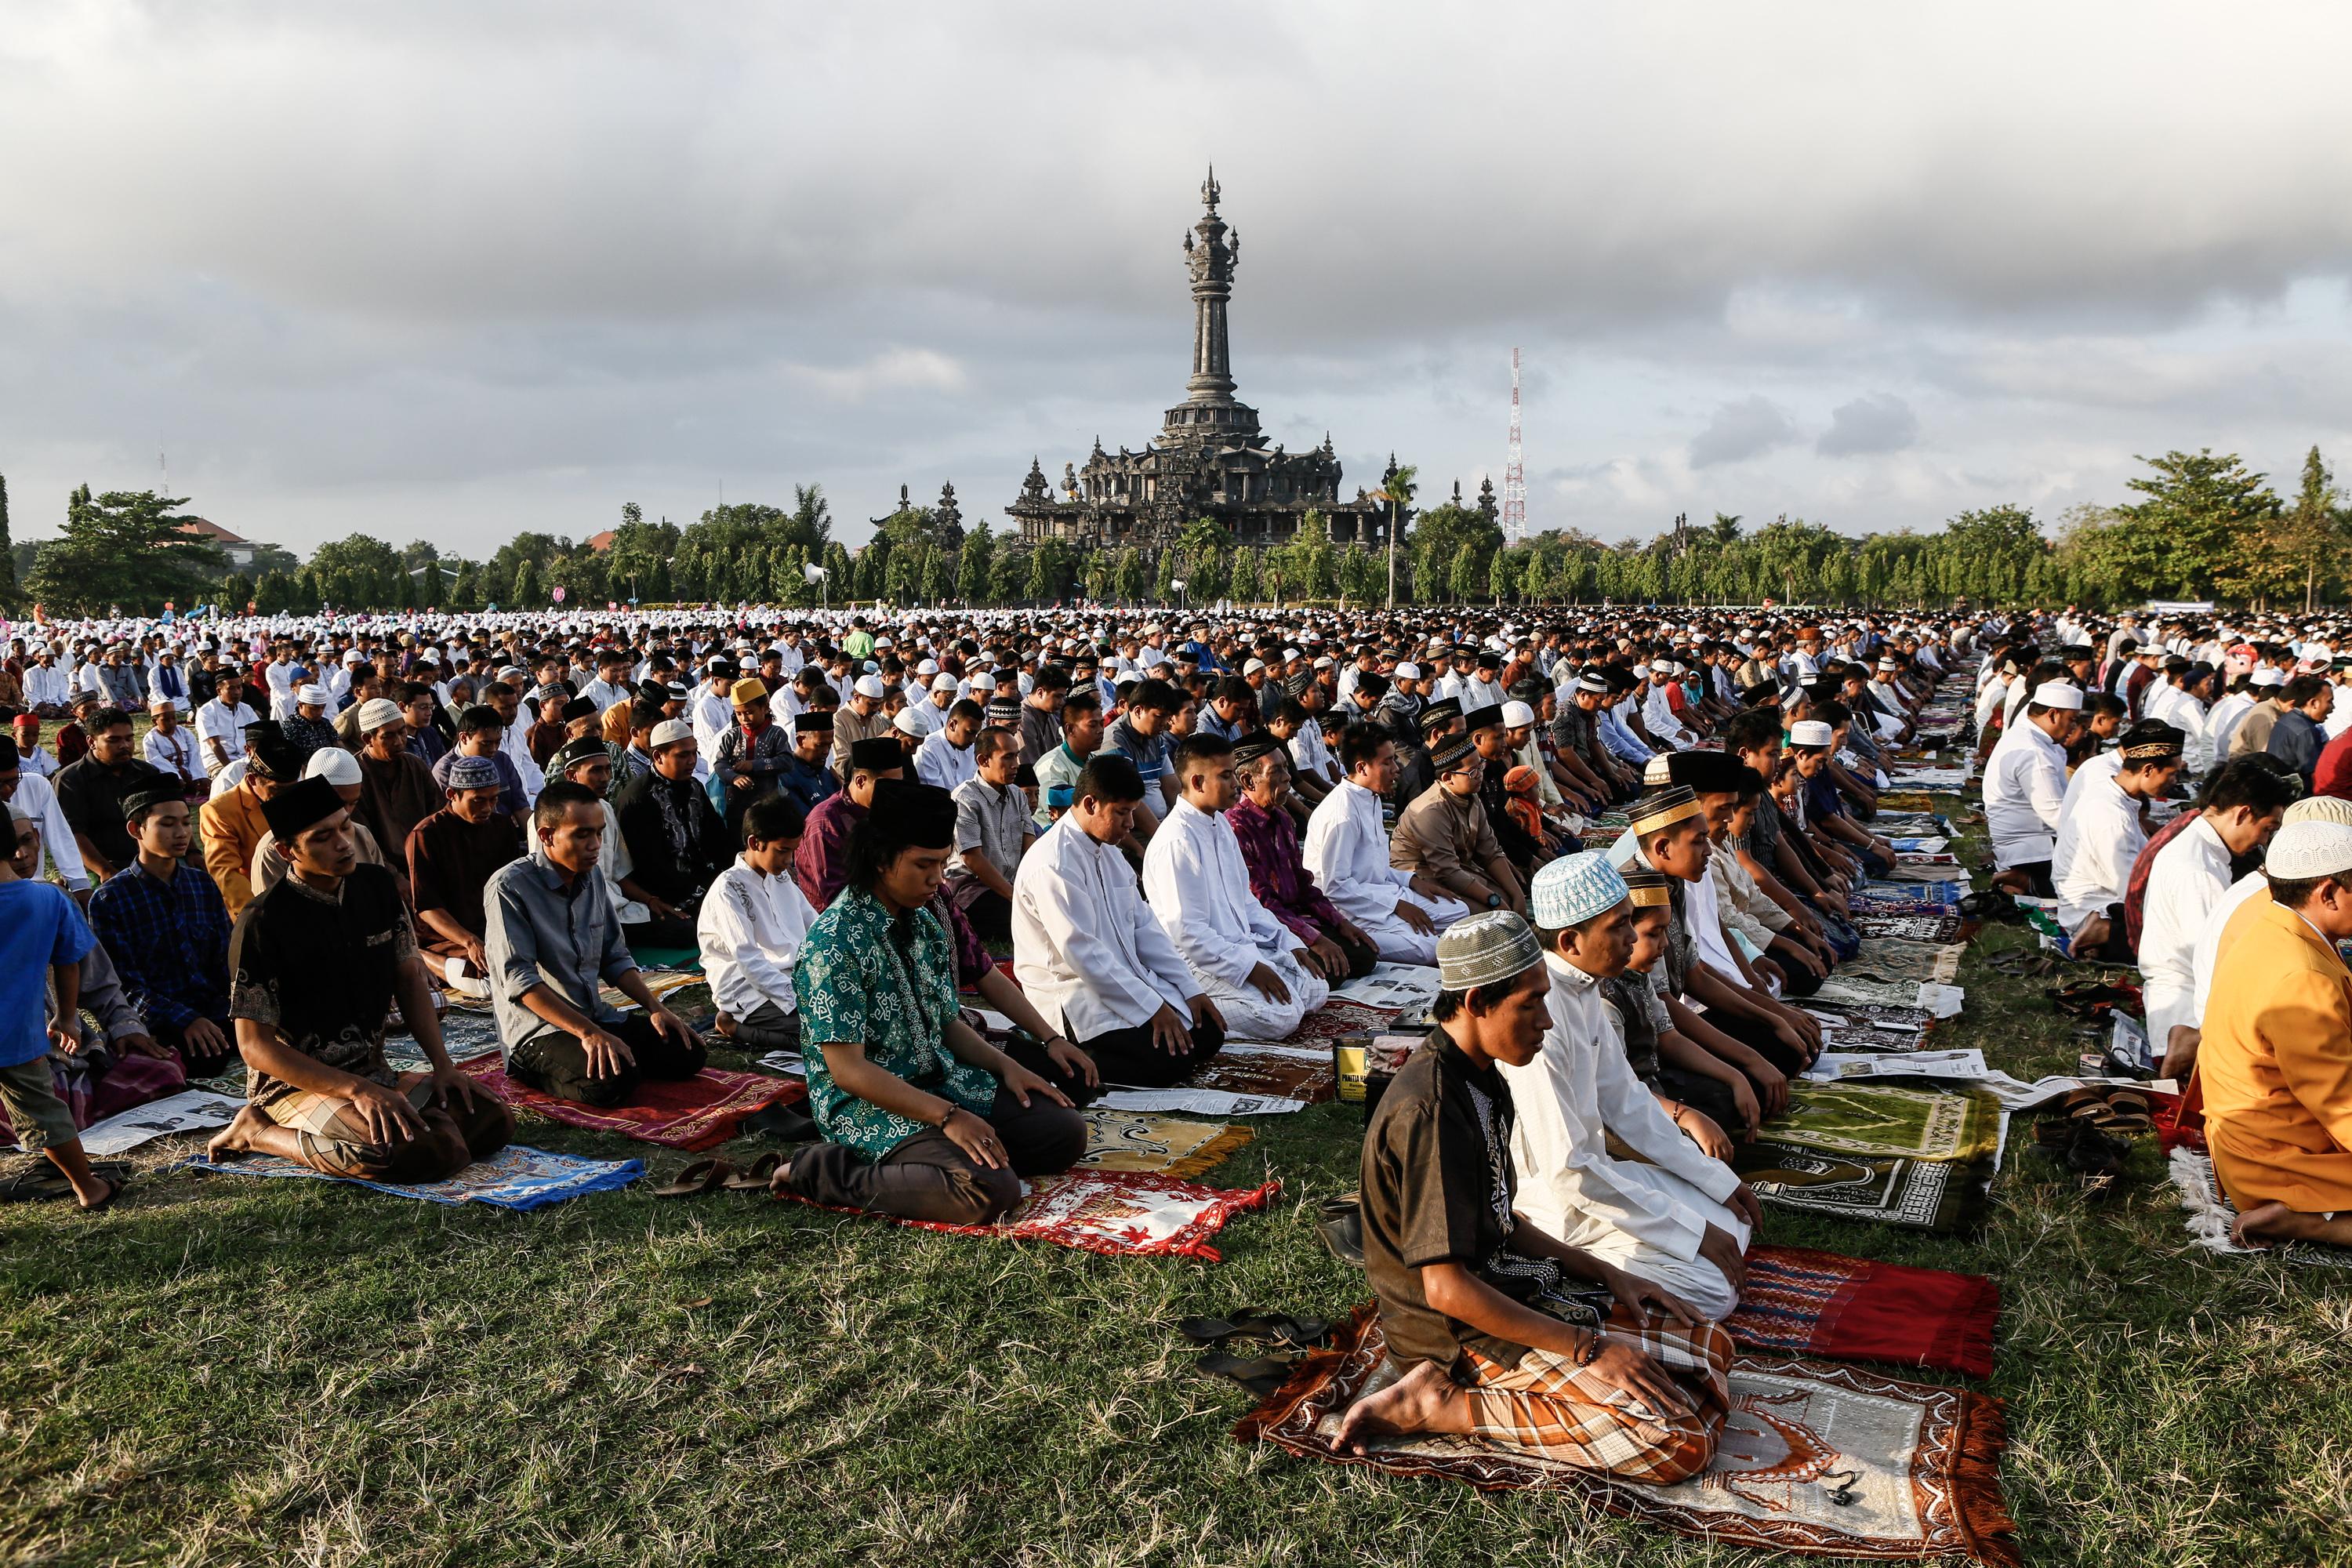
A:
(1547, 1402)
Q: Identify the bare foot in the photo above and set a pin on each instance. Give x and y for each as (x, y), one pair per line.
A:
(2263, 1224)
(237, 1138)
(101, 1193)
(1417, 1401)
(725, 1024)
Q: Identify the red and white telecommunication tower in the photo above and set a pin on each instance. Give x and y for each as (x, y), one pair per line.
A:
(1514, 475)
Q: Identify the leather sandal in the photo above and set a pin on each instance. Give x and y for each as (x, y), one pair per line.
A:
(756, 1177)
(1342, 1229)
(703, 1176)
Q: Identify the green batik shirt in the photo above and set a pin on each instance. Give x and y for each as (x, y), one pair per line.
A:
(865, 976)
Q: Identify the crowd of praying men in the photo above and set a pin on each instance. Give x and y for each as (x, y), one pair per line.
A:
(1182, 833)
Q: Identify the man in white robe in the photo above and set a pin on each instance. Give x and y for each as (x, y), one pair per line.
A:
(2025, 787)
(1348, 850)
(1664, 1211)
(2186, 882)
(1092, 958)
(2092, 863)
(750, 930)
(1196, 884)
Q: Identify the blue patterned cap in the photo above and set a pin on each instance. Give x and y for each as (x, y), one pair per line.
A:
(1575, 887)
(473, 772)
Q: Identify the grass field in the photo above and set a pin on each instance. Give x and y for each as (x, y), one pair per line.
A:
(233, 1371)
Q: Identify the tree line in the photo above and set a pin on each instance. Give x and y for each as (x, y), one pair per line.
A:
(2199, 525)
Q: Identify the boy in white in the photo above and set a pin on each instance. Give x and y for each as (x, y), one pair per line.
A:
(1348, 850)
(1668, 1214)
(1197, 886)
(750, 929)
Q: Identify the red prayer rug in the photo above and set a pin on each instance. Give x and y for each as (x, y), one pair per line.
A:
(699, 1112)
(1815, 1459)
(1119, 1212)
(1849, 1309)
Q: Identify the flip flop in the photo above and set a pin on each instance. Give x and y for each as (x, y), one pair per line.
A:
(702, 1176)
(114, 1189)
(1261, 1376)
(1256, 1323)
(755, 1179)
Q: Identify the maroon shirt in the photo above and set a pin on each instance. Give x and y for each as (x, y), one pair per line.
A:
(1278, 876)
(822, 862)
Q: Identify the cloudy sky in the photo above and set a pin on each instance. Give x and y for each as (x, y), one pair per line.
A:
(447, 269)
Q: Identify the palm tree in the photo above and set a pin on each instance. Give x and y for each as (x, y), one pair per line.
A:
(1397, 490)
(1726, 526)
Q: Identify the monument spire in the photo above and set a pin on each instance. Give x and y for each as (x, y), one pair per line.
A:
(1211, 262)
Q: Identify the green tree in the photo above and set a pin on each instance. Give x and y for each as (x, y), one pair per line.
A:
(1397, 490)
(1008, 576)
(2307, 537)
(1464, 579)
(978, 554)
(525, 594)
(2198, 532)
(7, 550)
(811, 521)
(1131, 574)
(126, 547)
(1534, 583)
(1437, 542)
(1243, 581)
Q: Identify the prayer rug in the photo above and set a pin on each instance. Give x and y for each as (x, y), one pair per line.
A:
(1910, 779)
(513, 1178)
(1334, 1019)
(1847, 1038)
(1870, 1015)
(1878, 1120)
(1934, 930)
(1882, 959)
(1939, 871)
(1120, 1213)
(1844, 1064)
(1238, 1069)
(1839, 991)
(190, 1111)
(1199, 1101)
(666, 957)
(1905, 899)
(1133, 1141)
(1940, 1196)
(1816, 1460)
(1905, 800)
(696, 1113)
(2211, 1216)
(1802, 1302)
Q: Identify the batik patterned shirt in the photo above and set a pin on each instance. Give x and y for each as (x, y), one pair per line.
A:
(1278, 877)
(887, 982)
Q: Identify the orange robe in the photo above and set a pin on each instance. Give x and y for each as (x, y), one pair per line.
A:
(2276, 1063)
(231, 825)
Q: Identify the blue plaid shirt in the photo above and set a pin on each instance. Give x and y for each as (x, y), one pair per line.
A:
(169, 942)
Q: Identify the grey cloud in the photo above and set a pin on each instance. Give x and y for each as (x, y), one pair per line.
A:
(1748, 428)
(1879, 423)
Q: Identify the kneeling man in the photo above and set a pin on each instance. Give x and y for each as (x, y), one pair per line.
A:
(1496, 1324)
(316, 965)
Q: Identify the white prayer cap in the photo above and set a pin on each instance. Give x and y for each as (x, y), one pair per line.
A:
(378, 711)
(1812, 733)
(1408, 670)
(906, 723)
(1642, 672)
(1575, 887)
(310, 697)
(1516, 715)
(928, 667)
(1593, 680)
(943, 682)
(870, 685)
(671, 731)
(333, 765)
(1658, 772)
(1490, 947)
(2057, 694)
(1324, 661)
(353, 655)
(2319, 808)
(1253, 667)
(2309, 848)
(2268, 675)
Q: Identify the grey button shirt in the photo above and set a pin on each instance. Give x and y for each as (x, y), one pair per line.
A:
(542, 932)
(992, 821)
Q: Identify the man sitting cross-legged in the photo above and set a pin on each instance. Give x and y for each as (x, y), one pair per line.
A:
(452, 856)
(1262, 977)
(1346, 850)
(923, 1119)
(1497, 1332)
(1267, 832)
(553, 941)
(751, 925)
(165, 925)
(317, 965)
(1090, 955)
(823, 860)
(1664, 1209)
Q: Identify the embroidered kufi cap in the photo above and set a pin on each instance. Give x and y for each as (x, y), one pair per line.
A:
(671, 731)
(2309, 848)
(2150, 740)
(472, 773)
(1575, 887)
(1485, 949)
(378, 711)
(1662, 808)
(1648, 889)
(1452, 755)
(1253, 745)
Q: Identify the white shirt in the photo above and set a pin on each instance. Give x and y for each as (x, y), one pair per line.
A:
(939, 761)
(711, 716)
(175, 752)
(1196, 885)
(2024, 790)
(1579, 1089)
(2222, 720)
(614, 865)
(280, 679)
(1346, 848)
(518, 752)
(1310, 754)
(2099, 769)
(2097, 843)
(48, 685)
(2206, 950)
(1085, 949)
(2184, 885)
(58, 846)
(36, 761)
(228, 778)
(1658, 718)
(216, 721)
(2185, 713)
(751, 930)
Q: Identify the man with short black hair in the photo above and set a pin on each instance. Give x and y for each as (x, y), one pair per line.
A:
(749, 932)
(993, 833)
(452, 855)
(165, 925)
(92, 792)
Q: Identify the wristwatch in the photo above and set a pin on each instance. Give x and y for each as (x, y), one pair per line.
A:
(1494, 900)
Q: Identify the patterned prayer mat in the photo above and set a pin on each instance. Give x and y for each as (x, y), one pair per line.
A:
(1840, 991)
(1871, 1015)
(514, 1178)
(2211, 1216)
(1935, 929)
(1121, 1213)
(1336, 1018)
(1848, 1038)
(1803, 1302)
(697, 1113)
(1907, 1123)
(1905, 800)
(1134, 1141)
(1816, 1460)
(1905, 899)
(1882, 957)
(1940, 1196)
(1239, 1069)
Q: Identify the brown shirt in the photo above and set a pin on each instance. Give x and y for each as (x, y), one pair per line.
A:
(848, 729)
(1445, 836)
(394, 796)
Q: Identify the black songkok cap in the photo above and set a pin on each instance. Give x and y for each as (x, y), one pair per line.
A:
(298, 807)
